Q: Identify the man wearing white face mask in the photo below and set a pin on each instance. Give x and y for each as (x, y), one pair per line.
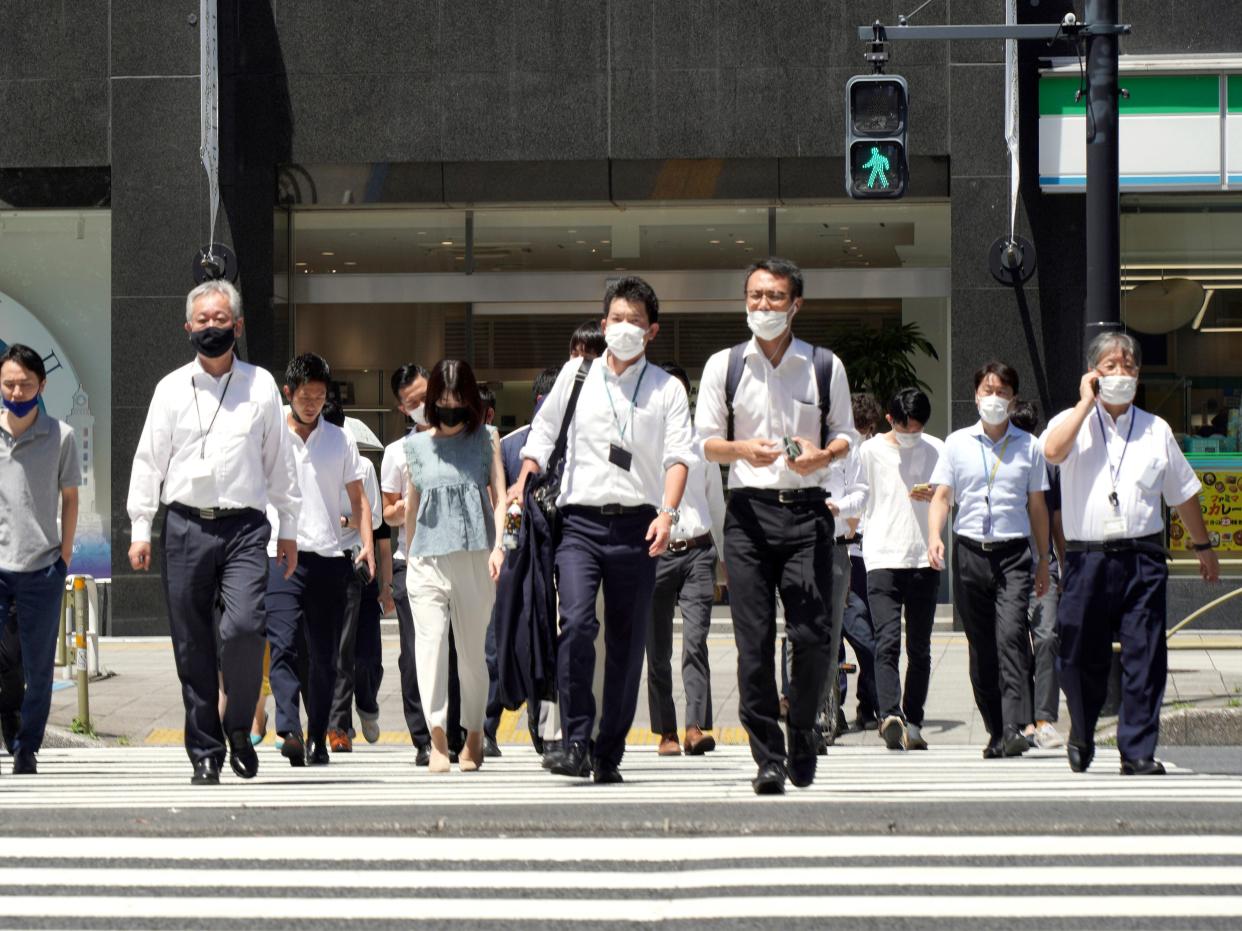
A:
(627, 449)
(997, 476)
(778, 411)
(1117, 462)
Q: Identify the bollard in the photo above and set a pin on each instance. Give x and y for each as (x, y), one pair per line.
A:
(80, 609)
(62, 658)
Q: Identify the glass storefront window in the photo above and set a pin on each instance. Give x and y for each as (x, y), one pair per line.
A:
(864, 236)
(378, 241)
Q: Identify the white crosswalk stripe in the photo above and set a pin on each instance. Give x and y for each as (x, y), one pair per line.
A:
(945, 881)
(158, 777)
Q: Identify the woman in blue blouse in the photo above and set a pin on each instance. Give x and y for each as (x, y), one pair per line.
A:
(454, 519)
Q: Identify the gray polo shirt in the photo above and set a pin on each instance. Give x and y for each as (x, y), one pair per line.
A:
(33, 469)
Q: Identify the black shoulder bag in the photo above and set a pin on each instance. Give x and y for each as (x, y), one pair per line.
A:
(545, 487)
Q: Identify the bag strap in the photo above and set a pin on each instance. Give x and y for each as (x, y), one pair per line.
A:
(733, 375)
(558, 451)
(823, 382)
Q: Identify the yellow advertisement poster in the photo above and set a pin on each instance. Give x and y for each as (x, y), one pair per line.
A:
(1221, 500)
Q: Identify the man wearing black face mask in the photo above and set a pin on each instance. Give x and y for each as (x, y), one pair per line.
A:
(215, 450)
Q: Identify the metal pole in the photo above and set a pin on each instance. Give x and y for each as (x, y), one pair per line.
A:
(62, 658)
(80, 609)
(1103, 311)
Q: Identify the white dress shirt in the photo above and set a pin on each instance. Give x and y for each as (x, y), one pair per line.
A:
(965, 467)
(772, 403)
(326, 462)
(656, 427)
(395, 480)
(1151, 466)
(703, 505)
(214, 443)
(889, 472)
(351, 539)
(844, 488)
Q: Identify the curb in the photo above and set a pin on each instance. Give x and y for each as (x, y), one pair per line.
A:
(1202, 727)
(55, 736)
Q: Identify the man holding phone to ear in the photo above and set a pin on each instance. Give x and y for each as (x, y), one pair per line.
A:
(1117, 462)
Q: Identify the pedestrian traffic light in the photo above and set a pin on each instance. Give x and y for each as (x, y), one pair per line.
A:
(876, 110)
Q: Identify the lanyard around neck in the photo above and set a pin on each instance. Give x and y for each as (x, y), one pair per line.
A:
(995, 465)
(621, 428)
(202, 434)
(1113, 475)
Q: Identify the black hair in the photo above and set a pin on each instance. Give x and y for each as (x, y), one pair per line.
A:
(909, 404)
(333, 413)
(780, 268)
(406, 375)
(455, 377)
(633, 290)
(867, 412)
(488, 397)
(589, 337)
(544, 382)
(307, 368)
(1002, 371)
(679, 373)
(1024, 414)
(27, 358)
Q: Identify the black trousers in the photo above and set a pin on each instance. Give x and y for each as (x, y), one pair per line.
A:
(311, 601)
(12, 677)
(992, 591)
(771, 547)
(687, 579)
(203, 560)
(1114, 595)
(411, 701)
(888, 591)
(856, 630)
(359, 665)
(610, 551)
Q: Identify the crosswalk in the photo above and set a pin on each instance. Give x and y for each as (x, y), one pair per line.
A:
(380, 776)
(801, 881)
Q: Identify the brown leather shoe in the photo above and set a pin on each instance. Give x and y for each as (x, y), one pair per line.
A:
(698, 743)
(669, 745)
(339, 741)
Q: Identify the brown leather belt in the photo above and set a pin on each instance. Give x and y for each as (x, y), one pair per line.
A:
(694, 543)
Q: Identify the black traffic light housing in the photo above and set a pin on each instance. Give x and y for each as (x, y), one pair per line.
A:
(876, 117)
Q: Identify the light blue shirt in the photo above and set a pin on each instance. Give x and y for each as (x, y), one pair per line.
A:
(967, 464)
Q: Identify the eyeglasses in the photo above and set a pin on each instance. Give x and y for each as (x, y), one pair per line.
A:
(774, 297)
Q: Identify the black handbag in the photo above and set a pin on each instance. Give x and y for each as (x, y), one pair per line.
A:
(545, 487)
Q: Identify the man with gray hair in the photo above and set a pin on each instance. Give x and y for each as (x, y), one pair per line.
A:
(1117, 461)
(215, 450)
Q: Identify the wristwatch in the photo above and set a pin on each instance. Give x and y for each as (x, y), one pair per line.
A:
(1200, 547)
(673, 513)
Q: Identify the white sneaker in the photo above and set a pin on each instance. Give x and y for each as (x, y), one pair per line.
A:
(1047, 738)
(914, 738)
(370, 727)
(893, 732)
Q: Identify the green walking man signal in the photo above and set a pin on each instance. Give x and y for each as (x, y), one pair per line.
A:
(876, 107)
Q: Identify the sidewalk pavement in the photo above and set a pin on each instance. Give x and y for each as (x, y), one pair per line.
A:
(140, 701)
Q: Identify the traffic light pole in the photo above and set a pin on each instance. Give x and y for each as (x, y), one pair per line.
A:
(1103, 310)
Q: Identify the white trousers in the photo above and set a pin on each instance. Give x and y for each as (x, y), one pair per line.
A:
(452, 589)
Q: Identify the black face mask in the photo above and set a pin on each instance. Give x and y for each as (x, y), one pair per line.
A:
(452, 416)
(214, 341)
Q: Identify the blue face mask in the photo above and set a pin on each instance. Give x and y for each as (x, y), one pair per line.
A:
(21, 408)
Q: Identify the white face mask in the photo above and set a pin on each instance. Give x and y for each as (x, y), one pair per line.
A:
(908, 440)
(419, 415)
(625, 340)
(767, 324)
(1118, 389)
(993, 410)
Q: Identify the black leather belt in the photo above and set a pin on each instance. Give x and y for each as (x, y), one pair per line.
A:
(994, 546)
(847, 541)
(610, 510)
(209, 513)
(694, 543)
(1153, 541)
(785, 495)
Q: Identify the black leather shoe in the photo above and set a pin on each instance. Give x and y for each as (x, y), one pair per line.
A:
(491, 749)
(1014, 742)
(803, 754)
(866, 722)
(770, 779)
(551, 753)
(10, 724)
(24, 763)
(994, 750)
(422, 754)
(294, 750)
(606, 773)
(1144, 767)
(317, 752)
(206, 773)
(1080, 756)
(242, 758)
(575, 761)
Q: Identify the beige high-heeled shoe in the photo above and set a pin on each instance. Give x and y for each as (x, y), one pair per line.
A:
(470, 759)
(439, 762)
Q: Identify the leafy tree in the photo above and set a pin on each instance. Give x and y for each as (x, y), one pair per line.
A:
(881, 361)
